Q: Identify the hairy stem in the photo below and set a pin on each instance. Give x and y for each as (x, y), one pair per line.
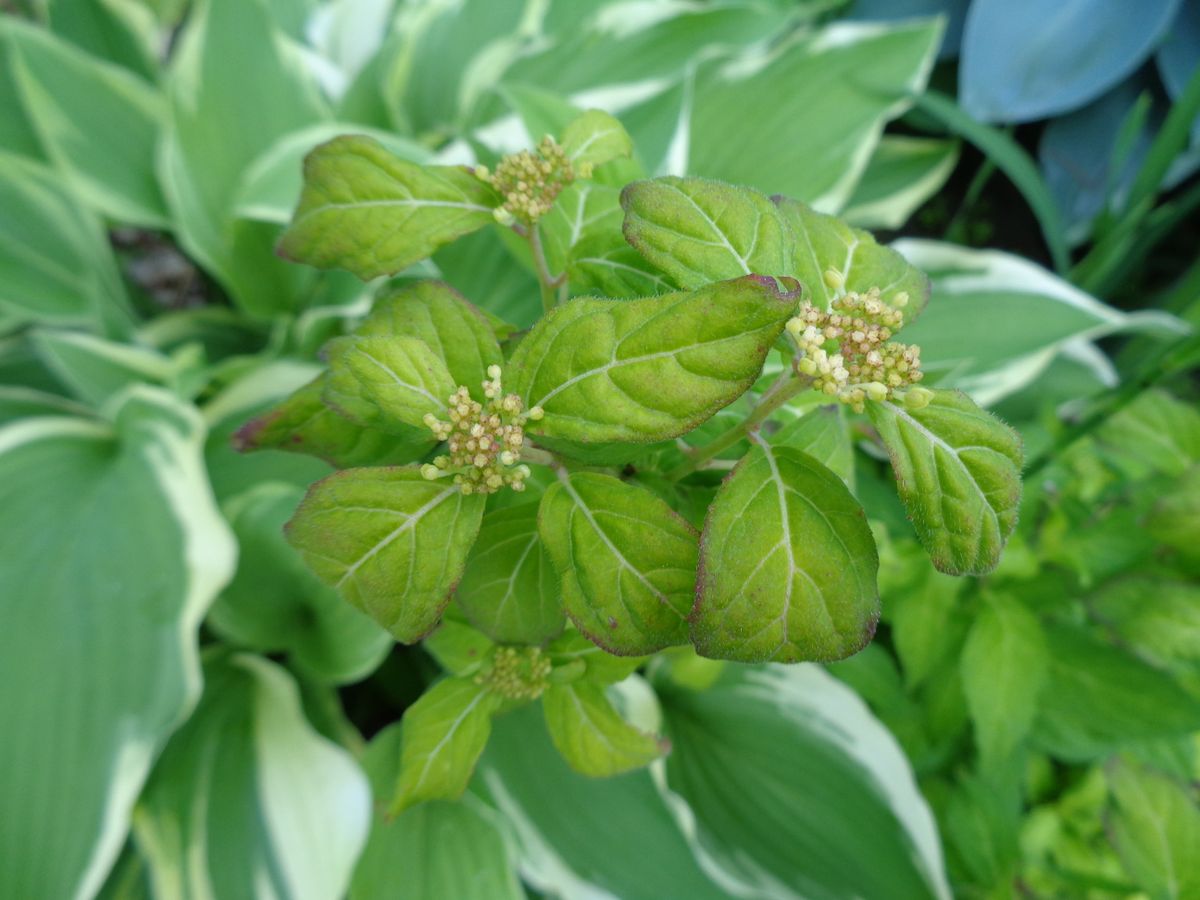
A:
(548, 283)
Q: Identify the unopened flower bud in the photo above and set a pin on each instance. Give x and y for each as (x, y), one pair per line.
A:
(917, 397)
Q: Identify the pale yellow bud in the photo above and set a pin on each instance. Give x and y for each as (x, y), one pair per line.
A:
(917, 398)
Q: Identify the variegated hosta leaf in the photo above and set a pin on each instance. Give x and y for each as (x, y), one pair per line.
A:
(368, 211)
(387, 382)
(787, 564)
(590, 733)
(652, 369)
(391, 542)
(958, 470)
(700, 231)
(627, 560)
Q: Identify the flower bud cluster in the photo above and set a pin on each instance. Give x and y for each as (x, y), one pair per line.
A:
(530, 181)
(848, 351)
(518, 673)
(484, 439)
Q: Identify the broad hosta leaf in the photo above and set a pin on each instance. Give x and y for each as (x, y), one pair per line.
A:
(444, 733)
(97, 122)
(303, 423)
(93, 369)
(561, 822)
(825, 243)
(435, 313)
(903, 173)
(247, 799)
(824, 779)
(1018, 64)
(120, 32)
(595, 138)
(590, 733)
(699, 231)
(1100, 699)
(1004, 665)
(787, 564)
(368, 211)
(275, 604)
(958, 470)
(385, 382)
(1155, 827)
(125, 602)
(628, 562)
(510, 590)
(420, 854)
(391, 542)
(648, 370)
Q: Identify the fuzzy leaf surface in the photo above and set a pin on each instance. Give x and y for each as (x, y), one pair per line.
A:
(380, 382)
(590, 733)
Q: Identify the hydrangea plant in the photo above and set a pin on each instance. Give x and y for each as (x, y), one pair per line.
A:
(662, 461)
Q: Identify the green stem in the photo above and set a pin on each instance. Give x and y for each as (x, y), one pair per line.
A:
(538, 456)
(787, 386)
(548, 283)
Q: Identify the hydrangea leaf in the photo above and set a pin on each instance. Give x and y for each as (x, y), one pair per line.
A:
(368, 211)
(627, 560)
(595, 138)
(590, 733)
(391, 542)
(510, 590)
(958, 470)
(647, 370)
(380, 382)
(787, 564)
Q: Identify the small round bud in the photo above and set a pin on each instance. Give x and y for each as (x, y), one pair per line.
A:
(833, 279)
(917, 398)
(536, 413)
(482, 173)
(876, 391)
(795, 326)
(900, 300)
(507, 457)
(807, 366)
(493, 372)
(430, 472)
(503, 216)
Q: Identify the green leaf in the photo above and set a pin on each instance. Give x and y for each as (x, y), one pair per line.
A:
(510, 588)
(1175, 519)
(435, 313)
(389, 383)
(610, 268)
(276, 605)
(1155, 827)
(585, 216)
(1004, 670)
(247, 798)
(444, 733)
(130, 549)
(1100, 699)
(824, 435)
(97, 122)
(958, 470)
(1156, 433)
(787, 564)
(93, 369)
(827, 244)
(590, 733)
(1160, 617)
(302, 423)
(391, 542)
(647, 370)
(926, 630)
(372, 213)
(699, 231)
(787, 778)
(600, 666)
(595, 138)
(903, 173)
(121, 32)
(457, 646)
(627, 560)
(419, 855)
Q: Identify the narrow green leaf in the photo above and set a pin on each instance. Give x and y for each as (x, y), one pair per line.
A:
(648, 370)
(385, 382)
(391, 542)
(958, 470)
(699, 231)
(595, 138)
(590, 733)
(510, 589)
(1004, 669)
(444, 733)
(368, 211)
(787, 564)
(627, 560)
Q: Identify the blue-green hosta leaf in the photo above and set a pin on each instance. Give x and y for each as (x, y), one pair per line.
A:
(590, 733)
(647, 370)
(247, 799)
(435, 313)
(130, 549)
(595, 138)
(903, 173)
(390, 383)
(391, 542)
(275, 604)
(96, 121)
(699, 231)
(443, 734)
(372, 213)
(958, 470)
(626, 559)
(787, 564)
(421, 854)
(93, 369)
(510, 589)
(780, 777)
(121, 33)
